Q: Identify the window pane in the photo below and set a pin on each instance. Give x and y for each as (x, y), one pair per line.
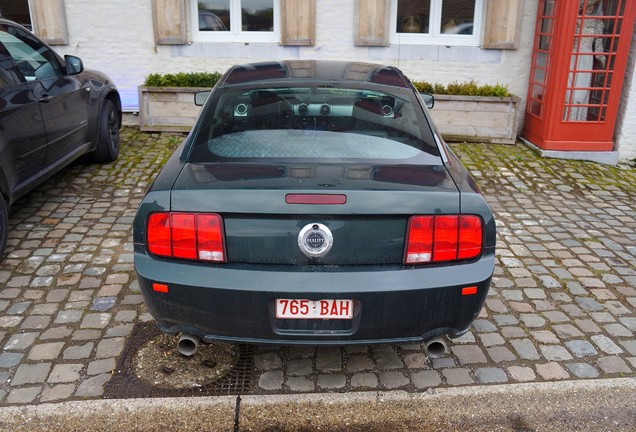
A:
(548, 10)
(295, 122)
(413, 16)
(8, 74)
(542, 60)
(257, 15)
(214, 15)
(16, 10)
(458, 16)
(535, 108)
(539, 76)
(35, 61)
(537, 92)
(546, 25)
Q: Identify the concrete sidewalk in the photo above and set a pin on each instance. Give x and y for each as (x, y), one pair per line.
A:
(562, 306)
(598, 405)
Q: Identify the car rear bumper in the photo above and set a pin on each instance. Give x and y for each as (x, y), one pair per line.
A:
(237, 303)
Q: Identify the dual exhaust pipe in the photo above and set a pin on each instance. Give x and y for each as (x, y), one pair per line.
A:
(188, 344)
(435, 347)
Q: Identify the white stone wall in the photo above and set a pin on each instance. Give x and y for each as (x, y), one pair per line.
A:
(117, 38)
(625, 136)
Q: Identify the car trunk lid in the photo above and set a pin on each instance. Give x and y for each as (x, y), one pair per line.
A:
(266, 206)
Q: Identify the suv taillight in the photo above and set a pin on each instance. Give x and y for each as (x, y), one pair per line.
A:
(431, 239)
(195, 236)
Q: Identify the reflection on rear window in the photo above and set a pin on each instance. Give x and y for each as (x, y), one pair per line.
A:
(312, 123)
(284, 144)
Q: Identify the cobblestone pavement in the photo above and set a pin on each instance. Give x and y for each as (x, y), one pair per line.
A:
(562, 305)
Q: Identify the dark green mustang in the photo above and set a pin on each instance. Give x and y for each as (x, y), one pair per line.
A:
(314, 202)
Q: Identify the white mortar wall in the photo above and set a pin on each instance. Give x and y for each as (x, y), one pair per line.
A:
(117, 38)
(626, 122)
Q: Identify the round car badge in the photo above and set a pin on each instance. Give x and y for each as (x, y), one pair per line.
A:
(315, 240)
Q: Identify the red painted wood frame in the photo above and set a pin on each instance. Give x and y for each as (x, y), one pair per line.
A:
(579, 59)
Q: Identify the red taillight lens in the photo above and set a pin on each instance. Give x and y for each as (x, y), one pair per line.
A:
(210, 237)
(184, 240)
(186, 235)
(470, 237)
(159, 237)
(443, 238)
(446, 228)
(419, 246)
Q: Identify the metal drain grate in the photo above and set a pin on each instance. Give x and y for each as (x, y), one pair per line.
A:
(126, 384)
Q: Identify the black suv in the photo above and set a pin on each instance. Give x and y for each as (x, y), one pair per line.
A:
(52, 111)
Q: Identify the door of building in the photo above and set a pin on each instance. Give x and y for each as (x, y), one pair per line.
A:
(579, 61)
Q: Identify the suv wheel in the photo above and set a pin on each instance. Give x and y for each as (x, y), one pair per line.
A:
(108, 135)
(4, 226)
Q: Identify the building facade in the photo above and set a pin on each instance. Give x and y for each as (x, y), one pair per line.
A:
(489, 41)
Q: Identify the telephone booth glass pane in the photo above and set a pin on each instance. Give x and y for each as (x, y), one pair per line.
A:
(592, 62)
(541, 57)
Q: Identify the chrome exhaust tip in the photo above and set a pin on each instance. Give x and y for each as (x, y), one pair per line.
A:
(187, 344)
(435, 347)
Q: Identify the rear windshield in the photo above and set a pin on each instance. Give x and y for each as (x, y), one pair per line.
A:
(313, 124)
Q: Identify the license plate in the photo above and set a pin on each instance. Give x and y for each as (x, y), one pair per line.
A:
(314, 309)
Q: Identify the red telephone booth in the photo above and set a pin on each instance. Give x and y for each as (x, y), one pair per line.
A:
(578, 65)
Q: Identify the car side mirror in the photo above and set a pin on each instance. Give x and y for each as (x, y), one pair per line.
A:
(429, 100)
(74, 65)
(201, 97)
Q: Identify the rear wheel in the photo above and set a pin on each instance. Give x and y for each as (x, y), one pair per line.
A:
(108, 135)
(4, 226)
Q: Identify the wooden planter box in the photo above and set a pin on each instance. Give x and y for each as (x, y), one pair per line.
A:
(476, 118)
(168, 109)
(458, 118)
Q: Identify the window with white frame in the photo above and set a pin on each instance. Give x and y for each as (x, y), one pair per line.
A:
(436, 22)
(236, 20)
(16, 10)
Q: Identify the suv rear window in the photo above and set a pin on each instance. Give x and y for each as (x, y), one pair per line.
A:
(313, 123)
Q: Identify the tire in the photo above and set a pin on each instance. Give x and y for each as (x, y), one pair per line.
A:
(108, 134)
(4, 226)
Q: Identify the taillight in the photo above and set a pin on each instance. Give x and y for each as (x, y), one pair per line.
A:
(159, 234)
(210, 238)
(470, 237)
(443, 238)
(195, 236)
(419, 245)
(184, 236)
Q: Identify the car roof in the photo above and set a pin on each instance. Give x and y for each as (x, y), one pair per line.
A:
(314, 71)
(6, 20)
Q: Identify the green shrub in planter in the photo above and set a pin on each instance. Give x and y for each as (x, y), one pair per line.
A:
(183, 79)
(469, 88)
(209, 79)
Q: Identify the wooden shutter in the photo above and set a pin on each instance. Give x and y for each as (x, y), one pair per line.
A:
(49, 21)
(372, 22)
(503, 22)
(301, 68)
(298, 22)
(169, 22)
